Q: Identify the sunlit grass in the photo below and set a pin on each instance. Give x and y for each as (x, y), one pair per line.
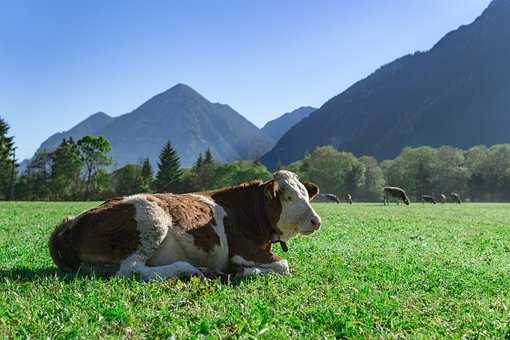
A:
(371, 270)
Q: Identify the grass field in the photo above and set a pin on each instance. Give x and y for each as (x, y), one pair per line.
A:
(429, 271)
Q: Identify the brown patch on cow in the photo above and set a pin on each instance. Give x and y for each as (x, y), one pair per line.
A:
(252, 213)
(313, 190)
(101, 236)
(108, 233)
(191, 216)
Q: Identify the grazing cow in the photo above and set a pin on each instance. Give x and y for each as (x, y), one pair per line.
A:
(455, 197)
(442, 198)
(167, 235)
(428, 198)
(348, 198)
(394, 192)
(326, 198)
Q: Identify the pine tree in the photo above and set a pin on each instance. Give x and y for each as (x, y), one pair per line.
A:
(147, 175)
(208, 158)
(147, 169)
(199, 162)
(7, 162)
(169, 170)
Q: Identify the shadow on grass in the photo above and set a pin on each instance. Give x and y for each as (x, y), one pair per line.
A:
(25, 274)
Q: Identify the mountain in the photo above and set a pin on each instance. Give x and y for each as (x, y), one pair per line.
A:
(180, 115)
(457, 93)
(276, 128)
(89, 126)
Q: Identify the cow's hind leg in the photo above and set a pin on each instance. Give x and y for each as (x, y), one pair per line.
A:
(152, 225)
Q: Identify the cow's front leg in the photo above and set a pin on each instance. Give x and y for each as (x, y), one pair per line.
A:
(176, 269)
(250, 268)
(135, 264)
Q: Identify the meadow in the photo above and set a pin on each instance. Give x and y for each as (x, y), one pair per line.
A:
(418, 271)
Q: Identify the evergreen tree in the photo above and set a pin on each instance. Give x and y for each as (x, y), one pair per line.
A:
(204, 170)
(147, 175)
(7, 161)
(169, 170)
(208, 158)
(199, 162)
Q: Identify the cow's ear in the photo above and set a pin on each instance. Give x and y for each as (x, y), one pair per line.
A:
(271, 189)
(313, 190)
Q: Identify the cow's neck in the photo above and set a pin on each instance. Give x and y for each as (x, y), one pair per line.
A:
(256, 217)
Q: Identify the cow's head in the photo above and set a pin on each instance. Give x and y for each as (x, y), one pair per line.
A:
(293, 197)
(406, 200)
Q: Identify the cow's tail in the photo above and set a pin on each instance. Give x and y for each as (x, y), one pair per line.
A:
(64, 255)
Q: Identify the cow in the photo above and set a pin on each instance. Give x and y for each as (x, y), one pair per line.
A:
(442, 198)
(428, 198)
(226, 231)
(455, 197)
(327, 198)
(394, 192)
(348, 198)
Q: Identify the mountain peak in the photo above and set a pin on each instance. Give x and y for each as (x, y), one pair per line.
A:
(180, 93)
(179, 114)
(182, 89)
(99, 115)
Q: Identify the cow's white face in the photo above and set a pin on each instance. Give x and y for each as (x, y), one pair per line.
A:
(297, 214)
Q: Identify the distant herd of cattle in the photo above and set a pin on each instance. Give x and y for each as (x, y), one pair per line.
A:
(390, 194)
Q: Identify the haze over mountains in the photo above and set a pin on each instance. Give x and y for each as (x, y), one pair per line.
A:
(457, 93)
(180, 115)
(276, 128)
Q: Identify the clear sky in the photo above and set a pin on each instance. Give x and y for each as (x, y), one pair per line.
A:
(61, 61)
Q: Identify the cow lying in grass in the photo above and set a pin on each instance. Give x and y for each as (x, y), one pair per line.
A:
(166, 235)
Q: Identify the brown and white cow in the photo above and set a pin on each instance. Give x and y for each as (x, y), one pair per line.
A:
(167, 235)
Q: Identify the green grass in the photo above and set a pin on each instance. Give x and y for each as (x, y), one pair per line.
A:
(419, 271)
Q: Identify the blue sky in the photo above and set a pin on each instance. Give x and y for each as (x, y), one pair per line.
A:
(61, 61)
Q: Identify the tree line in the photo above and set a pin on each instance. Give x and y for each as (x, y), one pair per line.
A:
(479, 174)
(81, 170)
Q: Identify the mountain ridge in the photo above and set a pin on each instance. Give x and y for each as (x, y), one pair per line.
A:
(277, 127)
(181, 115)
(456, 93)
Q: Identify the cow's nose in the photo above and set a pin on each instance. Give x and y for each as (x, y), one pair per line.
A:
(316, 222)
